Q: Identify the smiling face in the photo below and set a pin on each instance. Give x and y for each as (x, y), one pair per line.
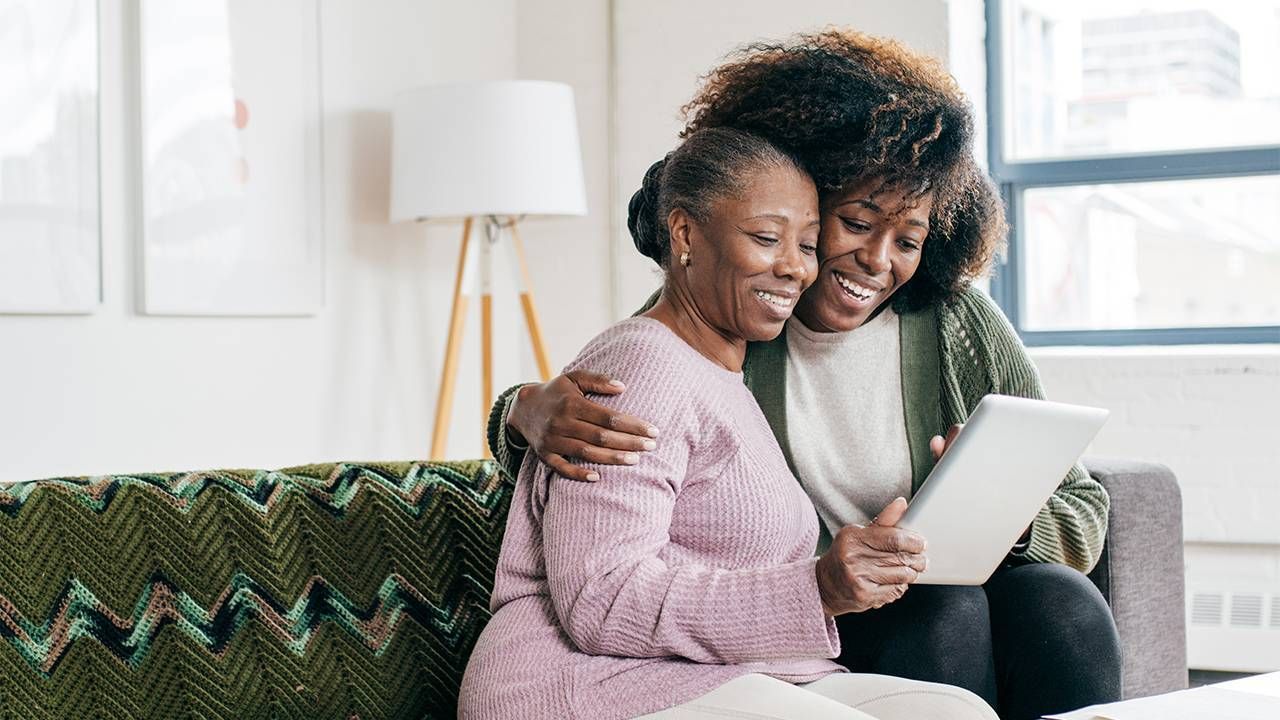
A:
(870, 247)
(754, 256)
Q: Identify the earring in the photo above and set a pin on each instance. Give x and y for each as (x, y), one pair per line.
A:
(684, 259)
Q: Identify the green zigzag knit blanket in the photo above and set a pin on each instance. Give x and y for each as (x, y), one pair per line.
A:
(326, 591)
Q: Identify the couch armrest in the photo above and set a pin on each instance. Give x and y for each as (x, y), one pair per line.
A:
(1141, 573)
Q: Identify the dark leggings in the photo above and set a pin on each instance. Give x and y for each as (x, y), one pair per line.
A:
(1036, 639)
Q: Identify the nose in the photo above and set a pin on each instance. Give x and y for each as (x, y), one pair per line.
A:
(790, 262)
(874, 256)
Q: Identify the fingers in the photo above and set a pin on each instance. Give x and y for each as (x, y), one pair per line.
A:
(591, 382)
(892, 540)
(871, 594)
(607, 440)
(892, 513)
(606, 419)
(916, 561)
(566, 469)
(939, 446)
(601, 456)
(888, 594)
(895, 575)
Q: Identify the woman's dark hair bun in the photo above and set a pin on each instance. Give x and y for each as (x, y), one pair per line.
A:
(642, 216)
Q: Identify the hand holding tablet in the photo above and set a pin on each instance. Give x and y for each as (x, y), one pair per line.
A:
(995, 476)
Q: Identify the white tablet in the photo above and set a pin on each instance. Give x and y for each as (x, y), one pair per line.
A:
(1007, 460)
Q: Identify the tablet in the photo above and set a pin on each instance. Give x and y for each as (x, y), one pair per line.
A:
(1000, 470)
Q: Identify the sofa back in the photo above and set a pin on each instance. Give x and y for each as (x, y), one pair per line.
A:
(342, 590)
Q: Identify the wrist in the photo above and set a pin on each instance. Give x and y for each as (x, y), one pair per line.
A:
(514, 436)
(822, 588)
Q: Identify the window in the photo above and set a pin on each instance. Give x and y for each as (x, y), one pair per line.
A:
(1137, 145)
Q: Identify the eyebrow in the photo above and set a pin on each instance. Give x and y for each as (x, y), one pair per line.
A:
(876, 208)
(781, 218)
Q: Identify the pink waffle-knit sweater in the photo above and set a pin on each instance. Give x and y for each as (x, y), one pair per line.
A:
(664, 579)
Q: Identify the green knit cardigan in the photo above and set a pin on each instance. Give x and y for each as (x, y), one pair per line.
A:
(953, 354)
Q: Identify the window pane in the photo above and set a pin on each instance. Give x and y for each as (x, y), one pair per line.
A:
(1189, 253)
(1098, 77)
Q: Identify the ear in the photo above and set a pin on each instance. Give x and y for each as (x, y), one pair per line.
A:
(680, 229)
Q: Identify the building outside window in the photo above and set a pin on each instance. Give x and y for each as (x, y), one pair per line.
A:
(1137, 144)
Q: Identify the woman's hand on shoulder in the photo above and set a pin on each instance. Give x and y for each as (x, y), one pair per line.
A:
(561, 424)
(870, 566)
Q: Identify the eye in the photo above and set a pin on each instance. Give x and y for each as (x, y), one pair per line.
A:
(808, 248)
(909, 244)
(855, 225)
(765, 239)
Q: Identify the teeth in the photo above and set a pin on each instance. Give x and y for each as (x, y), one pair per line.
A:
(774, 299)
(862, 293)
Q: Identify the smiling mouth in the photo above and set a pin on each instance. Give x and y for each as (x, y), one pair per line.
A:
(777, 300)
(857, 291)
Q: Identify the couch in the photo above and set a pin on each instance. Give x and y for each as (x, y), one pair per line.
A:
(354, 590)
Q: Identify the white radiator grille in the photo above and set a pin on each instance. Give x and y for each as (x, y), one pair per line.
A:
(1246, 610)
(1206, 609)
(1234, 630)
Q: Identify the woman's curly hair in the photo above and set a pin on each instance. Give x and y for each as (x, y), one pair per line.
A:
(853, 107)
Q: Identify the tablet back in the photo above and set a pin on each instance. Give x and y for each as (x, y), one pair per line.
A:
(1001, 469)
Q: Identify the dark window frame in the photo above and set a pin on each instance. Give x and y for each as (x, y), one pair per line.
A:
(1007, 281)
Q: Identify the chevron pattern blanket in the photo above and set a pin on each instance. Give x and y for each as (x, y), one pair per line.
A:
(326, 591)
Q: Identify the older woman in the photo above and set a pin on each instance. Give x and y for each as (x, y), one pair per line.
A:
(685, 585)
(888, 349)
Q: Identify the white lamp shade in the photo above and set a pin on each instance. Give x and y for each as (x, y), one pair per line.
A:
(490, 148)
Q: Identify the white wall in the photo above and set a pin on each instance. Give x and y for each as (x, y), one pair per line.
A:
(569, 259)
(662, 47)
(119, 392)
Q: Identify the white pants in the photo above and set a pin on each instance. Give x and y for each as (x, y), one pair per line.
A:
(842, 696)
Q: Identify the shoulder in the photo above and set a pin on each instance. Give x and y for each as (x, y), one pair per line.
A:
(973, 325)
(972, 313)
(665, 378)
(638, 346)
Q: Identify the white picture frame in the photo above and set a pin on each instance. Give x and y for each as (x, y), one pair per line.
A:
(230, 112)
(50, 226)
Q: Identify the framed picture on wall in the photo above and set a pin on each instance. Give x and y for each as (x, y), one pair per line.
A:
(50, 249)
(231, 157)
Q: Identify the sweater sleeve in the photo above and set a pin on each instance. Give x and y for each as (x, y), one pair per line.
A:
(507, 453)
(615, 592)
(1072, 525)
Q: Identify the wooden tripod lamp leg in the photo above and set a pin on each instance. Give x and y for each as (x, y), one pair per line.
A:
(486, 328)
(526, 301)
(449, 376)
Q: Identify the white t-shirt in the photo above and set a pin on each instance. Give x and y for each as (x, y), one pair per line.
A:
(845, 421)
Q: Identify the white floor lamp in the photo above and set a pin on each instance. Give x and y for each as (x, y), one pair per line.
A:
(497, 152)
